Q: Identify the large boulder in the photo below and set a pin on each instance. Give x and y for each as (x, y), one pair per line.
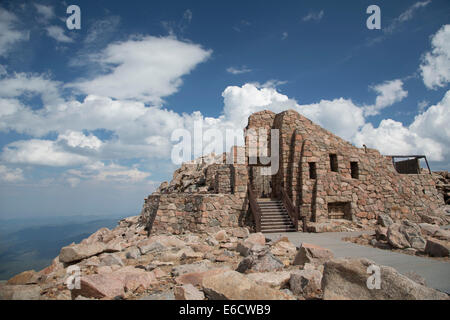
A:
(263, 261)
(277, 280)
(163, 241)
(113, 284)
(254, 240)
(434, 231)
(111, 259)
(199, 266)
(437, 248)
(129, 221)
(188, 292)
(19, 292)
(133, 253)
(306, 283)
(150, 246)
(77, 252)
(196, 278)
(412, 233)
(232, 285)
(101, 235)
(99, 286)
(381, 233)
(347, 279)
(26, 277)
(396, 238)
(165, 295)
(384, 220)
(283, 247)
(310, 253)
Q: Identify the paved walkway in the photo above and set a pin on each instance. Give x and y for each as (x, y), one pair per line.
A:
(436, 273)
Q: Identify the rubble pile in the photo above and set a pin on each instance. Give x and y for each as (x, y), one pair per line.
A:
(123, 263)
(427, 238)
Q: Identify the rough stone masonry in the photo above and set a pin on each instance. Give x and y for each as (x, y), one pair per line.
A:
(327, 178)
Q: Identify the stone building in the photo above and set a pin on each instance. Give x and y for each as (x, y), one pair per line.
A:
(321, 178)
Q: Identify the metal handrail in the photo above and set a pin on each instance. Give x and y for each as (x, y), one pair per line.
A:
(254, 207)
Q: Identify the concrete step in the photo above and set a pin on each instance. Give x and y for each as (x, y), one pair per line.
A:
(271, 206)
(277, 230)
(275, 216)
(279, 220)
(277, 225)
(267, 204)
(268, 221)
(265, 218)
(284, 213)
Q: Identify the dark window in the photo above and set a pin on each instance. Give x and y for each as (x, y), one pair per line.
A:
(355, 170)
(312, 170)
(333, 162)
(339, 210)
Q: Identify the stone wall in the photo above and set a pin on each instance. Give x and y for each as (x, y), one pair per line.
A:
(354, 183)
(375, 187)
(178, 212)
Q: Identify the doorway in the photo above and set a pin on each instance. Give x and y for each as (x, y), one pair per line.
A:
(262, 184)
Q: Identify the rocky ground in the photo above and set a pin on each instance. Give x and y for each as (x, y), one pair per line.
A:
(124, 263)
(428, 239)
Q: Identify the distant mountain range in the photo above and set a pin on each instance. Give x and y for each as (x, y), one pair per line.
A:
(33, 243)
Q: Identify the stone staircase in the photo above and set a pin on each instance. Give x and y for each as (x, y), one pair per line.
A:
(274, 217)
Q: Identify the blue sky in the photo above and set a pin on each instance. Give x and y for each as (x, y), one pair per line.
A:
(86, 115)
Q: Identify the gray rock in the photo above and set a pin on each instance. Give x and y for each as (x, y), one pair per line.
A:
(384, 220)
(310, 253)
(262, 262)
(133, 253)
(436, 248)
(111, 260)
(81, 251)
(155, 246)
(166, 295)
(246, 249)
(306, 283)
(416, 278)
(20, 292)
(192, 267)
(412, 233)
(231, 285)
(188, 292)
(381, 233)
(396, 238)
(435, 231)
(277, 280)
(346, 279)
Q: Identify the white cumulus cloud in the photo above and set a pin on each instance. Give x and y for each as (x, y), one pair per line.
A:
(435, 66)
(58, 34)
(389, 92)
(40, 152)
(76, 139)
(11, 175)
(143, 68)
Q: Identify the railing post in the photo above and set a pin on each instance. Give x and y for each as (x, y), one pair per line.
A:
(254, 207)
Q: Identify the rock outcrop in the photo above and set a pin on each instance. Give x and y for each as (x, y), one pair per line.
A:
(346, 279)
(201, 266)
